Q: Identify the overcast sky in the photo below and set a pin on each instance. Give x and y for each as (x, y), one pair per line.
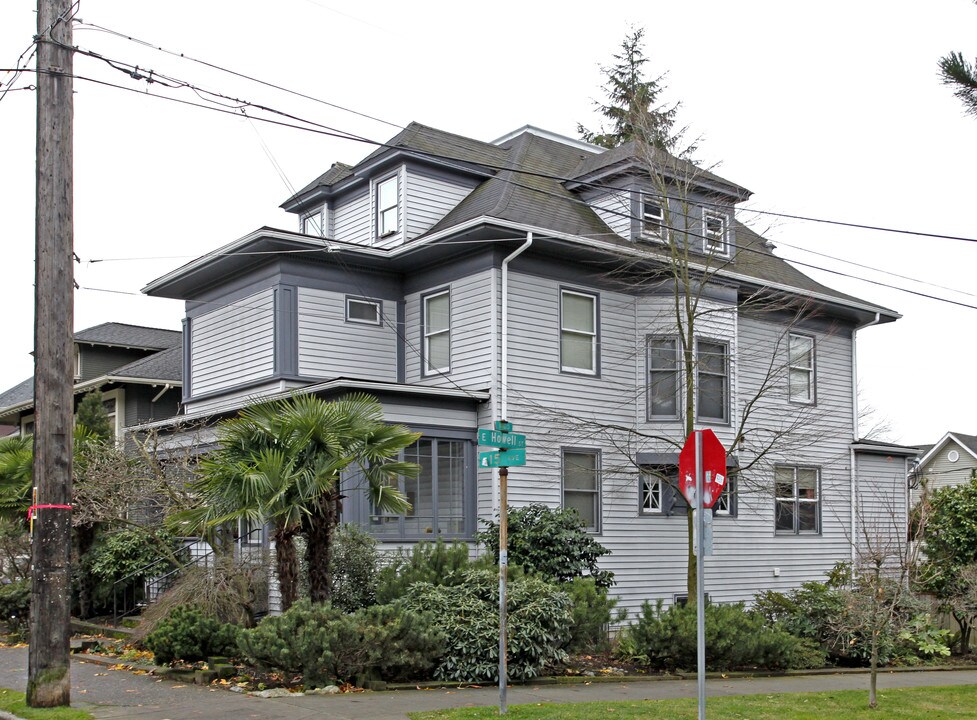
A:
(832, 110)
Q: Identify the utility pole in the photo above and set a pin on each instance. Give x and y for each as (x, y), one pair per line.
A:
(48, 681)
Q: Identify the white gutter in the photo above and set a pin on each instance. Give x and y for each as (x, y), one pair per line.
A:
(94, 384)
(504, 378)
(851, 452)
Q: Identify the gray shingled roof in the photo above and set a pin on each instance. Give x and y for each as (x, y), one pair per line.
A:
(130, 336)
(22, 392)
(970, 441)
(165, 365)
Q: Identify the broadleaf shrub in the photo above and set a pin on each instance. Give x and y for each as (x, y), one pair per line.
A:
(325, 644)
(188, 634)
(550, 542)
(15, 606)
(735, 638)
(354, 568)
(539, 617)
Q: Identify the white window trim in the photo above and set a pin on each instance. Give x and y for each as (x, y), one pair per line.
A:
(595, 493)
(594, 336)
(378, 211)
(727, 495)
(810, 370)
(662, 233)
(426, 364)
(652, 417)
(24, 422)
(118, 418)
(320, 216)
(727, 408)
(656, 487)
(710, 244)
(378, 304)
(77, 362)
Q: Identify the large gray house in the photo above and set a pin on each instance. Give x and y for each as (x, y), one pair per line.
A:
(533, 279)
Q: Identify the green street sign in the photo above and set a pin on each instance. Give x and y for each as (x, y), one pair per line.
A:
(502, 458)
(503, 426)
(497, 439)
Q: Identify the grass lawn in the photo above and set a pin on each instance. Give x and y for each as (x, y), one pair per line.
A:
(931, 703)
(15, 703)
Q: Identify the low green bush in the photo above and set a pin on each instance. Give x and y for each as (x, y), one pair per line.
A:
(15, 606)
(593, 612)
(550, 542)
(188, 634)
(539, 618)
(437, 563)
(735, 638)
(324, 644)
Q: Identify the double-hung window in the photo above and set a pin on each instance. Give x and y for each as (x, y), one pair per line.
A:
(712, 381)
(581, 485)
(578, 332)
(797, 492)
(387, 206)
(714, 232)
(801, 368)
(663, 378)
(653, 217)
(437, 332)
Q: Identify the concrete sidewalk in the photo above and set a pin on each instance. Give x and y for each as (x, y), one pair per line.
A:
(117, 694)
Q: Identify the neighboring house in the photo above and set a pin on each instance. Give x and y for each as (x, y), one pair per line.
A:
(461, 282)
(951, 461)
(138, 369)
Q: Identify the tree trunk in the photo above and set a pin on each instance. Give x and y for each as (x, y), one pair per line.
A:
(874, 671)
(692, 580)
(318, 528)
(85, 537)
(287, 566)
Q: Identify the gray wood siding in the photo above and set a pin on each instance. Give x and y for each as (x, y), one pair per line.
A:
(331, 347)
(233, 345)
(252, 393)
(882, 508)
(352, 220)
(97, 361)
(939, 472)
(471, 335)
(614, 208)
(428, 199)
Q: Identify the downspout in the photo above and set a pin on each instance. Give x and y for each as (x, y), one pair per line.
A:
(152, 403)
(504, 378)
(851, 452)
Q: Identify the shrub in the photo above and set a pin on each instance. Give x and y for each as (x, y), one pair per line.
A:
(354, 569)
(124, 554)
(188, 634)
(229, 590)
(437, 563)
(551, 543)
(15, 606)
(539, 618)
(735, 638)
(323, 643)
(593, 611)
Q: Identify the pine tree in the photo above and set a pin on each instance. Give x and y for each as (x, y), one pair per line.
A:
(92, 416)
(962, 77)
(634, 108)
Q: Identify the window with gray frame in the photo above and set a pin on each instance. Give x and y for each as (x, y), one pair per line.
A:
(652, 496)
(663, 378)
(797, 492)
(800, 350)
(439, 495)
(313, 223)
(578, 332)
(388, 215)
(581, 485)
(712, 381)
(437, 332)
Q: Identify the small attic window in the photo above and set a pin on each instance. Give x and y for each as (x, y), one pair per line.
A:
(653, 217)
(714, 231)
(953, 456)
(387, 210)
(312, 223)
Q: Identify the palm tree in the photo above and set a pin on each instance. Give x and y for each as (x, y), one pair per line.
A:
(285, 461)
(16, 475)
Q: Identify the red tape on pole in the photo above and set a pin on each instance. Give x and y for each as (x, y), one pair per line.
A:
(32, 508)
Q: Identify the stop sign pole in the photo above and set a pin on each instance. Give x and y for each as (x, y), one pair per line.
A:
(700, 577)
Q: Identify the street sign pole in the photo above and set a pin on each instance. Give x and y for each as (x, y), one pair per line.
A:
(503, 582)
(700, 595)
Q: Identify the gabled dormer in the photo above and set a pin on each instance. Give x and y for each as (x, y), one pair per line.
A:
(647, 195)
(398, 192)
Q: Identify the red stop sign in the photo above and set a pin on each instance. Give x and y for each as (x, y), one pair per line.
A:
(713, 468)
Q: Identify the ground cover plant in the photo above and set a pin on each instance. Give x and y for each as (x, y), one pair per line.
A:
(14, 702)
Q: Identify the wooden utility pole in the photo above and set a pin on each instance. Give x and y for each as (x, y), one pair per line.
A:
(48, 681)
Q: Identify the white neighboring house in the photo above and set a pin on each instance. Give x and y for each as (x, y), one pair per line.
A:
(459, 281)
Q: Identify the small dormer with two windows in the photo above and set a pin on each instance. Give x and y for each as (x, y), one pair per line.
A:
(397, 193)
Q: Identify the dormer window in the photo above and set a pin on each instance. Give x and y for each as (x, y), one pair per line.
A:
(387, 210)
(653, 217)
(313, 223)
(714, 233)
